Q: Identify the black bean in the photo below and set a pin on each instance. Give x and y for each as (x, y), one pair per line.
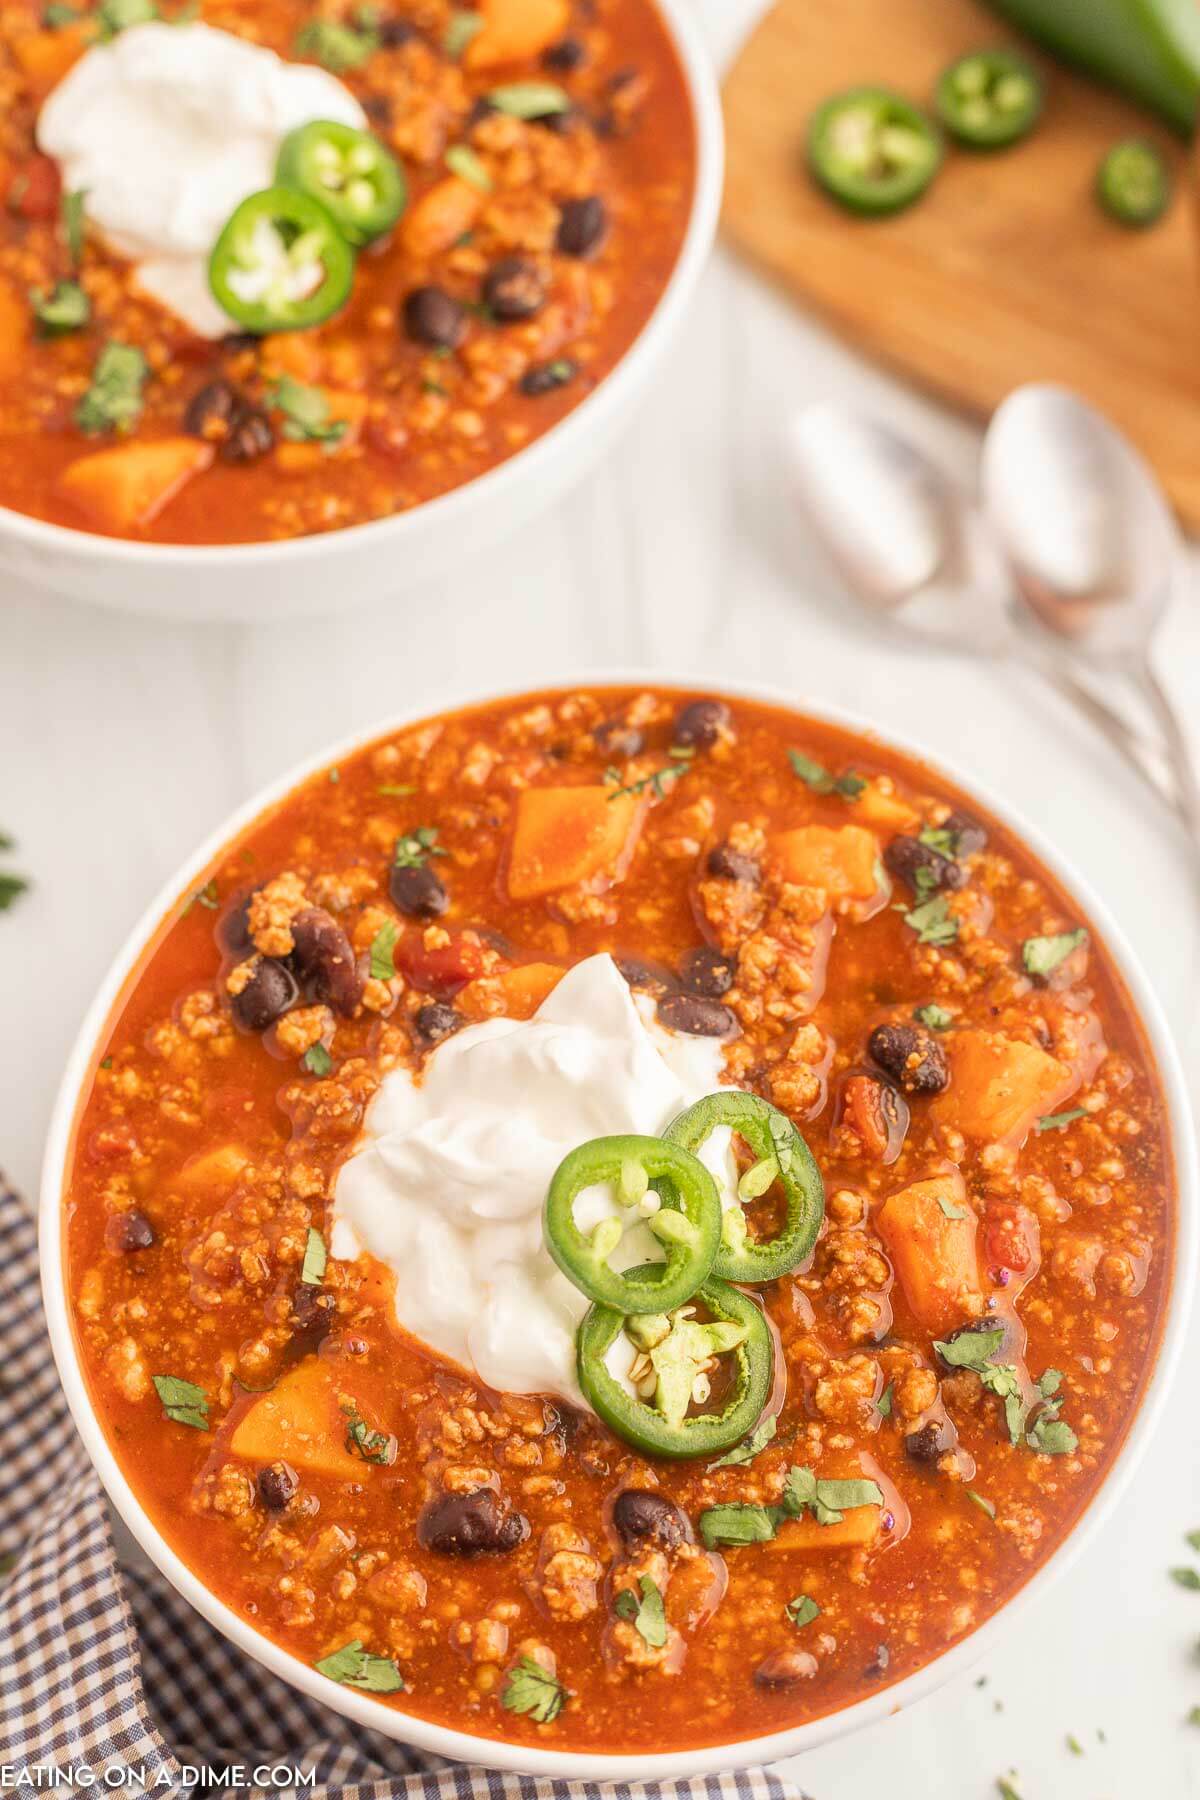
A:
(513, 289)
(641, 1517)
(311, 1308)
(927, 1444)
(233, 927)
(731, 865)
(211, 409)
(568, 53)
(250, 436)
(417, 891)
(701, 724)
(647, 977)
(379, 110)
(432, 316)
(614, 738)
(436, 1021)
(912, 1056)
(476, 1524)
(267, 995)
(697, 1016)
(581, 225)
(130, 1230)
(234, 342)
(785, 1669)
(544, 378)
(481, 108)
(561, 121)
(969, 834)
(392, 33)
(708, 972)
(322, 954)
(924, 869)
(277, 1484)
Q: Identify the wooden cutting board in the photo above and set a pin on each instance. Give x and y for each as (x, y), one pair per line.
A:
(1006, 271)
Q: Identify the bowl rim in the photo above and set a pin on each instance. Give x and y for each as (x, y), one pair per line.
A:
(495, 1753)
(443, 510)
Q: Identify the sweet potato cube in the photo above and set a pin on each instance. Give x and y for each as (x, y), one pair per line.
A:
(1001, 1086)
(44, 57)
(929, 1232)
(523, 991)
(213, 1170)
(843, 861)
(859, 1528)
(567, 835)
(300, 1422)
(128, 486)
(514, 30)
(441, 215)
(886, 811)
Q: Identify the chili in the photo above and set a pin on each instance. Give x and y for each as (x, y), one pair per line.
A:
(873, 150)
(353, 175)
(1133, 184)
(989, 99)
(280, 263)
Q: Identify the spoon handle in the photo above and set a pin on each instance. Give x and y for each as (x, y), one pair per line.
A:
(1179, 753)
(1145, 757)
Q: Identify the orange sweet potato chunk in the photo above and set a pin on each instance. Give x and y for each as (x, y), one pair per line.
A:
(523, 991)
(843, 861)
(127, 487)
(514, 30)
(1001, 1086)
(300, 1422)
(441, 215)
(44, 57)
(567, 835)
(933, 1250)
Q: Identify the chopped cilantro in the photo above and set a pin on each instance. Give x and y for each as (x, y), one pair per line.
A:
(1193, 1538)
(372, 1446)
(530, 99)
(72, 224)
(533, 1690)
(749, 1448)
(819, 779)
(317, 1060)
(936, 837)
(933, 1017)
(680, 755)
(1193, 1718)
(118, 15)
(113, 402)
(827, 1500)
(315, 1258)
(383, 965)
(353, 1666)
(979, 1500)
(182, 1401)
(462, 28)
(11, 889)
(647, 1615)
(335, 45)
(57, 15)
(1005, 1789)
(106, 1062)
(740, 1522)
(932, 921)
(415, 846)
(462, 161)
(306, 412)
(1186, 1578)
(883, 1406)
(1042, 955)
(65, 308)
(1074, 1745)
(950, 1210)
(1048, 1434)
(802, 1610)
(1056, 1121)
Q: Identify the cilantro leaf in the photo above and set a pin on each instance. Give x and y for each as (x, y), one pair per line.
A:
(11, 889)
(113, 402)
(65, 308)
(1056, 1121)
(413, 849)
(951, 1211)
(937, 837)
(1186, 1578)
(353, 1666)
(317, 1060)
(827, 1500)
(306, 412)
(533, 1690)
(462, 28)
(315, 1258)
(182, 1401)
(383, 965)
(372, 1446)
(118, 15)
(1042, 955)
(749, 1448)
(739, 1522)
(933, 1017)
(72, 224)
(647, 1615)
(883, 1406)
(802, 1610)
(981, 1502)
(462, 161)
(1193, 1538)
(530, 99)
(680, 755)
(336, 46)
(817, 778)
(933, 921)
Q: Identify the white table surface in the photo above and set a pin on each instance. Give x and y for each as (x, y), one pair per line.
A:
(123, 741)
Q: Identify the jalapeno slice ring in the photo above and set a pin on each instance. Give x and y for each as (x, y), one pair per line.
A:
(353, 176)
(989, 99)
(873, 150)
(280, 263)
(1133, 184)
(783, 1156)
(738, 1328)
(687, 1222)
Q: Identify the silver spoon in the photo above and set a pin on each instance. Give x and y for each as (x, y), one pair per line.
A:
(1092, 545)
(915, 552)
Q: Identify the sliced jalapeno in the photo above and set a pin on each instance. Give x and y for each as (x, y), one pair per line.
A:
(783, 1157)
(1133, 184)
(353, 175)
(873, 150)
(686, 1221)
(280, 263)
(990, 98)
(666, 1425)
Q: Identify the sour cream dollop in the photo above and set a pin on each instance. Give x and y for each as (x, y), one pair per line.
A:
(448, 1185)
(168, 128)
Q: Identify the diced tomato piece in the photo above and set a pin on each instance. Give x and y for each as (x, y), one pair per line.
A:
(877, 1115)
(442, 970)
(1006, 1242)
(35, 191)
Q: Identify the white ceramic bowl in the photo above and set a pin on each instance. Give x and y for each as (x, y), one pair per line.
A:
(750, 1752)
(333, 570)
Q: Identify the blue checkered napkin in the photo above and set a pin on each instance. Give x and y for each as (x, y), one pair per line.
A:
(108, 1667)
